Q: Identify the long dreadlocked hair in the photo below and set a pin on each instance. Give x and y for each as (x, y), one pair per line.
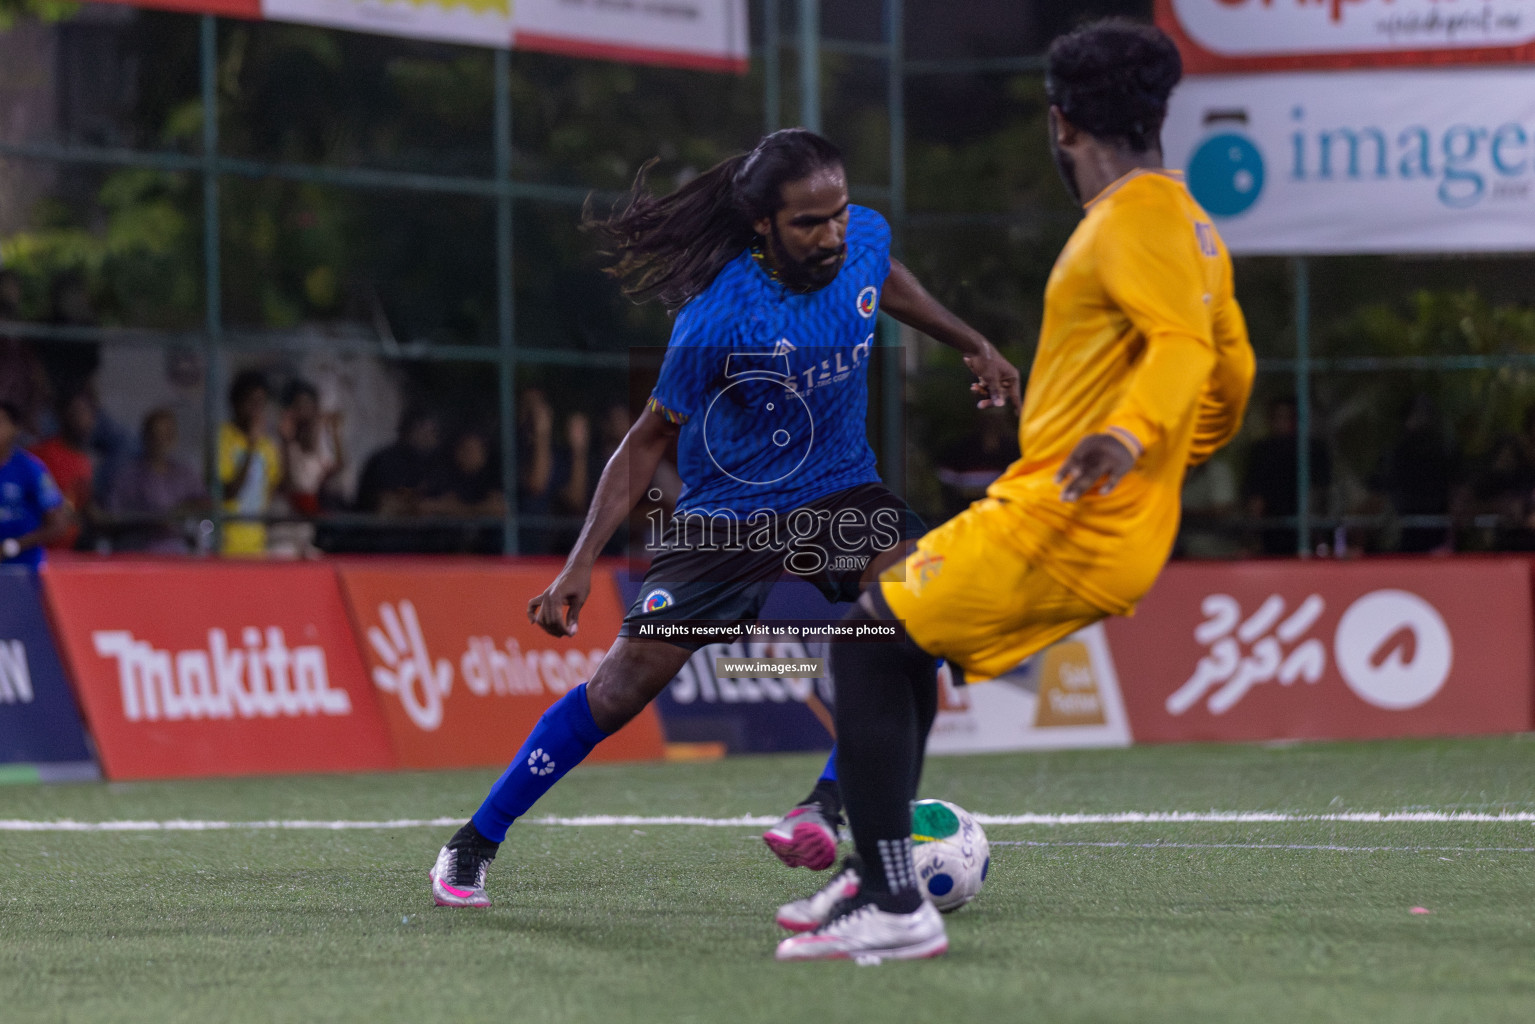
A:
(670, 247)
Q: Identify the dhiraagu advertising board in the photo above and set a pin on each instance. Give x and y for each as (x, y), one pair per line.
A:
(1361, 162)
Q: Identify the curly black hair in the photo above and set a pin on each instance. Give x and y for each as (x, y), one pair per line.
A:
(1111, 78)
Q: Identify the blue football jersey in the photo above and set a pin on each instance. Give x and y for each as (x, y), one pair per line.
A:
(770, 386)
(27, 493)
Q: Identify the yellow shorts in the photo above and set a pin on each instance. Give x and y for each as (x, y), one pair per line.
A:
(968, 596)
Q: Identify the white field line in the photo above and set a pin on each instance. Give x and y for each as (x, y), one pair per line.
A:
(756, 821)
(1276, 846)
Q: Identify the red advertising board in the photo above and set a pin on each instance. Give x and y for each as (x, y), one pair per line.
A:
(216, 669)
(1241, 36)
(1329, 650)
(462, 675)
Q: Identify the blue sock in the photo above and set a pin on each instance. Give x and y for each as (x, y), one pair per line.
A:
(829, 773)
(564, 735)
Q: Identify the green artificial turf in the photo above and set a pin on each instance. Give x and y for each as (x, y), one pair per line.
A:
(613, 924)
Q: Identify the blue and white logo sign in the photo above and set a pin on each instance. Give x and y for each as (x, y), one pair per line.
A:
(1226, 174)
(1413, 161)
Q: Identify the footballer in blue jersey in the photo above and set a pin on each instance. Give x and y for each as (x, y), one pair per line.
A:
(32, 510)
(776, 281)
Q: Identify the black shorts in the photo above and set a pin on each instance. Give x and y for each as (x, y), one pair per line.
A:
(723, 568)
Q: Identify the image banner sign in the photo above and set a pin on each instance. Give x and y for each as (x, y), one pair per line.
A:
(1361, 162)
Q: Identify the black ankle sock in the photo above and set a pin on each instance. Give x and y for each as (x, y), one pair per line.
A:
(883, 693)
(905, 902)
(826, 795)
(470, 836)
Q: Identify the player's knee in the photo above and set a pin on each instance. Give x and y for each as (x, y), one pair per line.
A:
(625, 683)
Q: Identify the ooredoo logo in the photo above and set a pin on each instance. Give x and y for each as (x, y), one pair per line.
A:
(1393, 649)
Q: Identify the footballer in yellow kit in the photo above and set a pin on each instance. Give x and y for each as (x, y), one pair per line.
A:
(1143, 369)
(1143, 342)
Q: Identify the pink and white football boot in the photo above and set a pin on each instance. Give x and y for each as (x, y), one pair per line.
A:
(810, 913)
(806, 837)
(458, 877)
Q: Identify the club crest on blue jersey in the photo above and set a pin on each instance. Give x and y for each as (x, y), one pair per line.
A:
(657, 600)
(868, 299)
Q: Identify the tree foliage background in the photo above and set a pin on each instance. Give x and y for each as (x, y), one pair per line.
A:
(987, 213)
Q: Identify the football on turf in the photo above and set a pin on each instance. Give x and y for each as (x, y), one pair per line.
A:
(951, 853)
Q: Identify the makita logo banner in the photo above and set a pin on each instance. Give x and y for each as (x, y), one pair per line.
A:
(1329, 650)
(460, 673)
(217, 669)
(263, 679)
(38, 721)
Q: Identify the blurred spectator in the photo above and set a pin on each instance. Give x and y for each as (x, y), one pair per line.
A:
(536, 472)
(32, 511)
(392, 477)
(248, 463)
(468, 485)
(68, 460)
(575, 489)
(312, 454)
(1209, 507)
(112, 445)
(23, 380)
(966, 469)
(1418, 475)
(535, 452)
(611, 431)
(1270, 486)
(156, 484)
(1501, 487)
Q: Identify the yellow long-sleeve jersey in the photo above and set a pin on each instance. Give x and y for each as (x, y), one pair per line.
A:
(1142, 337)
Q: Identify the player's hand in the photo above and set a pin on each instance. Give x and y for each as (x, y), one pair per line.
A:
(997, 379)
(556, 610)
(1097, 463)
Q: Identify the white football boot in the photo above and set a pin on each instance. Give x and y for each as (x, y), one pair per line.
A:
(810, 913)
(867, 934)
(458, 877)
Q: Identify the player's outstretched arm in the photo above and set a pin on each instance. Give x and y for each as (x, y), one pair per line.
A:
(905, 299)
(624, 479)
(1225, 397)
